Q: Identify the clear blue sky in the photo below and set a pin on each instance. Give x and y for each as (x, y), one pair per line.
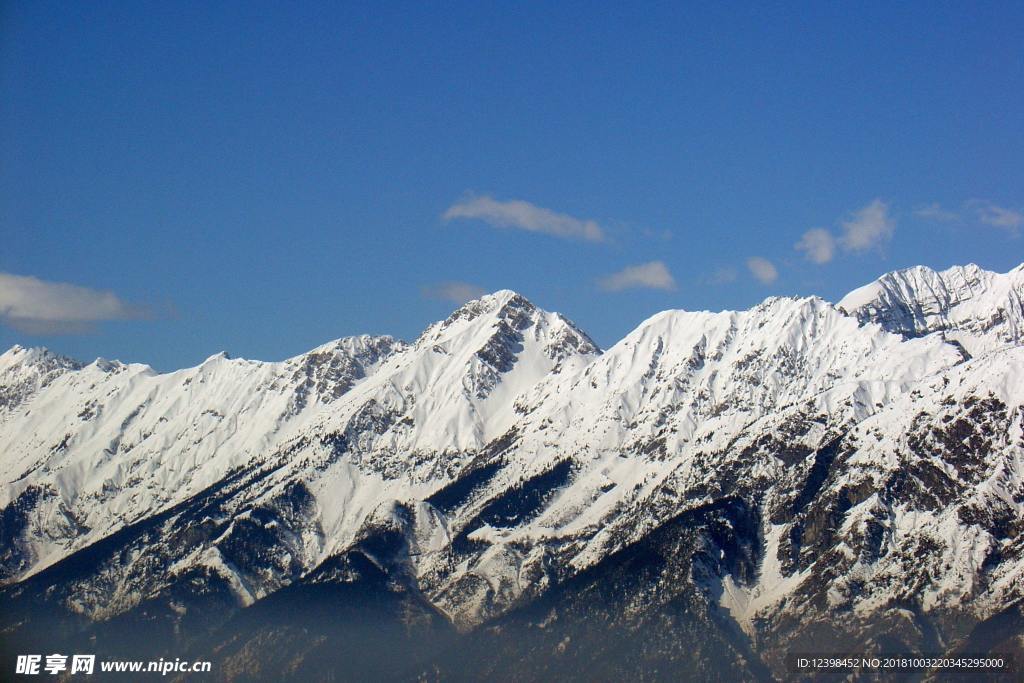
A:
(261, 178)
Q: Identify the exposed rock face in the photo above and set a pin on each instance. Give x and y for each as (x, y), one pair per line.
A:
(500, 498)
(965, 301)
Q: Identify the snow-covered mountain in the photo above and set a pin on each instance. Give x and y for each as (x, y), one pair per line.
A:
(981, 309)
(502, 496)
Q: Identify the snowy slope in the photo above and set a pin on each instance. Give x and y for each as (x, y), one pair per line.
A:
(981, 309)
(105, 444)
(109, 444)
(642, 424)
(23, 372)
(796, 459)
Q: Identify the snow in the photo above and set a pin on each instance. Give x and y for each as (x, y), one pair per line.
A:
(745, 603)
(369, 424)
(981, 310)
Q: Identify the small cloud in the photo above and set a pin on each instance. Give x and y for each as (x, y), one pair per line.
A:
(453, 291)
(762, 269)
(35, 306)
(522, 215)
(869, 227)
(663, 235)
(818, 245)
(1006, 218)
(653, 275)
(723, 276)
(935, 212)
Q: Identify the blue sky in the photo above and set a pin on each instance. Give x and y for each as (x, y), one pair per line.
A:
(177, 178)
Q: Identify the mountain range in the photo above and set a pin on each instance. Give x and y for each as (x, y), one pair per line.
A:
(501, 498)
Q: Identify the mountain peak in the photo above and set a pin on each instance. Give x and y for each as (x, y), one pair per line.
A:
(363, 346)
(498, 302)
(766, 461)
(23, 371)
(24, 352)
(502, 295)
(967, 299)
(503, 304)
(31, 355)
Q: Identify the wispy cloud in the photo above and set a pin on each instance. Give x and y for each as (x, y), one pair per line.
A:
(652, 275)
(869, 227)
(1002, 217)
(936, 212)
(454, 292)
(36, 306)
(723, 276)
(818, 245)
(762, 269)
(522, 215)
(663, 235)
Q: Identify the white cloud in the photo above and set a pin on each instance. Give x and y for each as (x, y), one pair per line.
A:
(36, 306)
(663, 235)
(723, 276)
(869, 227)
(818, 245)
(653, 275)
(454, 292)
(935, 212)
(762, 269)
(998, 216)
(522, 215)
